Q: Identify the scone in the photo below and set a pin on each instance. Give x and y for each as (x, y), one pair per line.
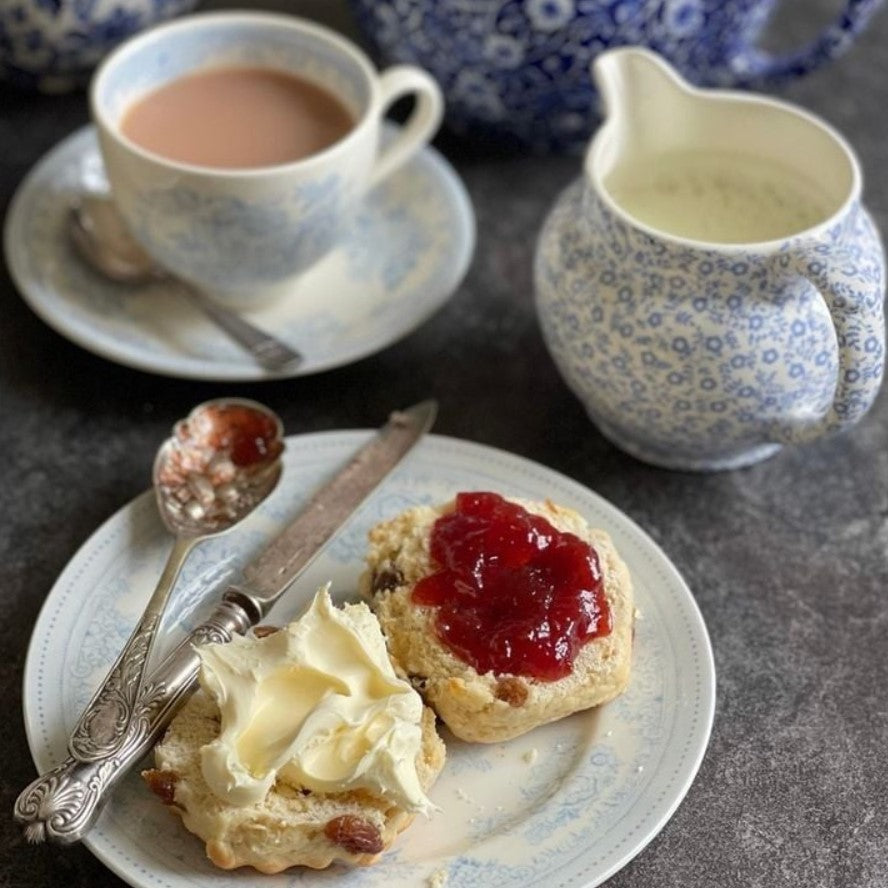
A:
(481, 703)
(289, 827)
(303, 747)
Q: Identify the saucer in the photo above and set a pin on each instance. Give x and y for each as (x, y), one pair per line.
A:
(406, 253)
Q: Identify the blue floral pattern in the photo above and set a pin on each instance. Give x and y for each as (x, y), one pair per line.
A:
(54, 44)
(518, 71)
(407, 247)
(246, 236)
(699, 359)
(227, 242)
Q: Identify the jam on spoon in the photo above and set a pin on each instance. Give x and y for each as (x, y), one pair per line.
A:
(220, 463)
(215, 467)
(513, 594)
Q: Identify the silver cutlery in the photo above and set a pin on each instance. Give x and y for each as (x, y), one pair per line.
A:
(219, 464)
(61, 805)
(102, 240)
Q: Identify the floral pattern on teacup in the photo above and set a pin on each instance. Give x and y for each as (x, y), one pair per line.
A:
(231, 241)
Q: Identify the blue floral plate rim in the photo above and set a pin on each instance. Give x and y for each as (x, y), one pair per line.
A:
(568, 804)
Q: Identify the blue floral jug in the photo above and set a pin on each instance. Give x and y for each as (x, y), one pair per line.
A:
(712, 288)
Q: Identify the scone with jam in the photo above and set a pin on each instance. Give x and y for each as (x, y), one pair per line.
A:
(505, 614)
(303, 746)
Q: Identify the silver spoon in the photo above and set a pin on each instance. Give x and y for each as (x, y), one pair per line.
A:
(220, 463)
(102, 239)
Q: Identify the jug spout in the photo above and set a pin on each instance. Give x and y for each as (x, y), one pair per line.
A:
(711, 165)
(642, 95)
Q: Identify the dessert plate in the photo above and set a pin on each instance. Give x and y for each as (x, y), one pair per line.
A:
(567, 804)
(406, 253)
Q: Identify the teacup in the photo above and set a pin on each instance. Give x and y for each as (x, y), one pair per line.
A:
(712, 288)
(245, 234)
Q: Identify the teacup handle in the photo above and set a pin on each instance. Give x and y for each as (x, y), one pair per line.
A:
(753, 66)
(851, 281)
(421, 126)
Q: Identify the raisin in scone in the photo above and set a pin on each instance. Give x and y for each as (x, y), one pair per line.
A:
(289, 826)
(302, 748)
(506, 614)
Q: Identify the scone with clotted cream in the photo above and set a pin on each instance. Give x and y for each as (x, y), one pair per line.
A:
(303, 746)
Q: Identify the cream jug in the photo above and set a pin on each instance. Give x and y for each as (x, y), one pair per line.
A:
(711, 288)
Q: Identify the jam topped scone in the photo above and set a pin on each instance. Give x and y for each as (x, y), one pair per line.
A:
(506, 614)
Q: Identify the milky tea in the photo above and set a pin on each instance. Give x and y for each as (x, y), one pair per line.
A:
(237, 118)
(719, 197)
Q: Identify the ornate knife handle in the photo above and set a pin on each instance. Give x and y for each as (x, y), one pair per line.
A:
(62, 805)
(104, 726)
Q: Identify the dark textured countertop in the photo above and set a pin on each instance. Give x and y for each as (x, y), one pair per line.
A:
(787, 559)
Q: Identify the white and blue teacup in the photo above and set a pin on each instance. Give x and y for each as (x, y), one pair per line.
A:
(243, 235)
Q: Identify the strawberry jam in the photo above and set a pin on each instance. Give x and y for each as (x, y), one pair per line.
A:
(249, 436)
(513, 594)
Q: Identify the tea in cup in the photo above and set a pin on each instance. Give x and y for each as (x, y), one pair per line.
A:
(238, 146)
(239, 118)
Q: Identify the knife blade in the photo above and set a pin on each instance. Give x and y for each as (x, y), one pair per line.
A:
(268, 576)
(62, 804)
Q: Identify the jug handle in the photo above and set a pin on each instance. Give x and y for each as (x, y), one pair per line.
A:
(752, 66)
(851, 281)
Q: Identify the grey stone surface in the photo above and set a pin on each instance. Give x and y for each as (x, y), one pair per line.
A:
(787, 559)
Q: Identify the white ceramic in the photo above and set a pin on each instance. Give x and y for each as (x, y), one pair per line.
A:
(245, 234)
(565, 805)
(405, 253)
(698, 354)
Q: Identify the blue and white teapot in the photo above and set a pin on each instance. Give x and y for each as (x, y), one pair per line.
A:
(712, 287)
(53, 45)
(516, 72)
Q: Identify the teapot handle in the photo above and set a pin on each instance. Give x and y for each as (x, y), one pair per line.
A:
(752, 66)
(850, 278)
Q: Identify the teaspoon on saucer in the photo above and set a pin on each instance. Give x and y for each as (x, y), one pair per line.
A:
(219, 464)
(101, 238)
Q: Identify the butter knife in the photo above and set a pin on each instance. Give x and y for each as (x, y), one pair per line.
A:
(62, 804)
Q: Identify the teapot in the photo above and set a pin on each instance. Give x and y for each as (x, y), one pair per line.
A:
(516, 72)
(53, 45)
(711, 288)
